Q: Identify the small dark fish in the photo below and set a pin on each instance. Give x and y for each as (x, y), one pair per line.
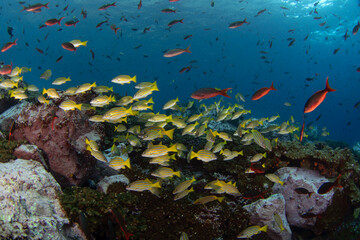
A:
(188, 36)
(328, 186)
(303, 191)
(72, 22)
(83, 13)
(42, 26)
(146, 29)
(322, 24)
(39, 50)
(187, 69)
(9, 31)
(306, 37)
(101, 23)
(212, 4)
(260, 12)
(318, 118)
(173, 22)
(357, 104)
(356, 28)
(270, 44)
(92, 54)
(309, 79)
(285, 8)
(139, 5)
(137, 47)
(346, 35)
(336, 50)
(106, 6)
(237, 24)
(65, 8)
(358, 69)
(291, 43)
(317, 18)
(59, 59)
(168, 10)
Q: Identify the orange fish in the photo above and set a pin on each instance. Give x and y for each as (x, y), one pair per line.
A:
(6, 69)
(8, 45)
(262, 92)
(314, 101)
(36, 8)
(106, 6)
(53, 21)
(204, 93)
(176, 51)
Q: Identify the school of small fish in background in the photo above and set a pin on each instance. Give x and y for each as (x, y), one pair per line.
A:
(152, 127)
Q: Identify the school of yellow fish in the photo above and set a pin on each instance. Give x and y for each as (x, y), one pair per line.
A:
(151, 126)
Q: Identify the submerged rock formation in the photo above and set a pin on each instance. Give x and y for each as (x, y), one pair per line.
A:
(61, 136)
(29, 207)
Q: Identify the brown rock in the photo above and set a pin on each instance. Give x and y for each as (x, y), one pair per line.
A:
(61, 136)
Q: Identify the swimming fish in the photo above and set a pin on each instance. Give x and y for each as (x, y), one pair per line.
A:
(204, 93)
(262, 92)
(176, 51)
(317, 98)
(8, 45)
(251, 231)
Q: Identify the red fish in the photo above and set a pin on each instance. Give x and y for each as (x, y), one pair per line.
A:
(326, 187)
(68, 46)
(173, 22)
(188, 36)
(237, 24)
(356, 28)
(187, 69)
(114, 28)
(204, 93)
(84, 13)
(72, 22)
(262, 92)
(106, 6)
(139, 5)
(302, 131)
(53, 21)
(176, 51)
(39, 50)
(317, 98)
(168, 10)
(59, 59)
(36, 8)
(8, 45)
(6, 69)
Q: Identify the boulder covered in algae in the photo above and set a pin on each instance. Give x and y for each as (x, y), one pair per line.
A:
(30, 208)
(61, 136)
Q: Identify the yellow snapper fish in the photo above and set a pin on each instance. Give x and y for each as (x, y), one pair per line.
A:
(273, 118)
(229, 188)
(203, 155)
(145, 132)
(170, 104)
(119, 163)
(184, 236)
(143, 185)
(123, 79)
(117, 113)
(184, 185)
(125, 101)
(8, 83)
(207, 199)
(144, 92)
(103, 89)
(279, 221)
(97, 154)
(14, 72)
(257, 157)
(158, 150)
(251, 231)
(19, 95)
(43, 100)
(274, 178)
(162, 160)
(145, 85)
(70, 91)
(32, 88)
(92, 144)
(165, 172)
(61, 80)
(97, 118)
(69, 105)
(102, 100)
(85, 87)
(51, 92)
(46, 75)
(160, 118)
(189, 128)
(78, 43)
(183, 194)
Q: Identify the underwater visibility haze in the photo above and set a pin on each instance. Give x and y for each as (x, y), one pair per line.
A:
(271, 83)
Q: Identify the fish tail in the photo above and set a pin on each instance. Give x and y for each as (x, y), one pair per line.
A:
(181, 20)
(44, 91)
(127, 163)
(188, 49)
(134, 79)
(46, 5)
(327, 87)
(150, 101)
(59, 22)
(170, 133)
(78, 106)
(272, 86)
(84, 43)
(264, 228)
(15, 41)
(111, 89)
(220, 199)
(193, 155)
(224, 92)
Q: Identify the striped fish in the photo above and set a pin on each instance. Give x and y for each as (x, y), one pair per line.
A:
(184, 236)
(165, 172)
(158, 150)
(117, 113)
(251, 231)
(203, 155)
(142, 185)
(183, 194)
(258, 138)
(119, 163)
(184, 185)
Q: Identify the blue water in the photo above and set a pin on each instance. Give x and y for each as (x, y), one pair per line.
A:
(231, 61)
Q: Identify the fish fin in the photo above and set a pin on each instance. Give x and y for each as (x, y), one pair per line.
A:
(224, 92)
(188, 49)
(327, 87)
(272, 86)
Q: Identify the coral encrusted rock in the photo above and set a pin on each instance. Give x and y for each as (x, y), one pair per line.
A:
(61, 136)
(29, 206)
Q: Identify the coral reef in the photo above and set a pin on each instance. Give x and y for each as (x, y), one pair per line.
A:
(29, 207)
(61, 136)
